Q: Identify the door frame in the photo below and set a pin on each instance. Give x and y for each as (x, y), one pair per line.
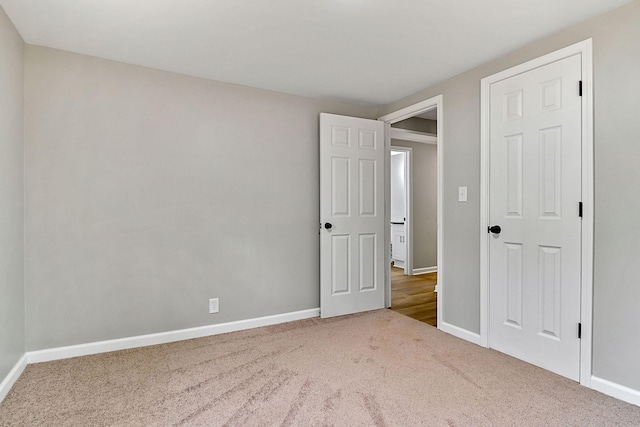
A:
(389, 119)
(408, 208)
(583, 48)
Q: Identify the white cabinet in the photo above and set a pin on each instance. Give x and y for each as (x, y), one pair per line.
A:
(398, 245)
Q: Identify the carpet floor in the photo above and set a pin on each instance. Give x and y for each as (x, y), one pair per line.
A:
(371, 369)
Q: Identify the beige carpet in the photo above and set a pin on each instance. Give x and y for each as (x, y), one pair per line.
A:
(374, 369)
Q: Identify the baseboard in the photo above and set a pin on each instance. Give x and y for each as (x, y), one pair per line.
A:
(425, 270)
(459, 332)
(12, 377)
(164, 337)
(398, 264)
(618, 391)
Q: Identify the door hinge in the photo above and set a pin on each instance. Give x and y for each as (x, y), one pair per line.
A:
(580, 87)
(580, 209)
(579, 330)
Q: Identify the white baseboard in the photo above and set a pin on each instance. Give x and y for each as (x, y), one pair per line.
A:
(460, 333)
(618, 391)
(398, 263)
(12, 377)
(164, 337)
(425, 270)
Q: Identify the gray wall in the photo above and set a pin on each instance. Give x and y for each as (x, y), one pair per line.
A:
(147, 193)
(418, 124)
(11, 196)
(425, 198)
(616, 37)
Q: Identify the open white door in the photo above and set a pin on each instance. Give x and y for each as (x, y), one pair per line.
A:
(534, 210)
(352, 215)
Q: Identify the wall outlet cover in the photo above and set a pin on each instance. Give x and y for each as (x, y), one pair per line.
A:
(214, 305)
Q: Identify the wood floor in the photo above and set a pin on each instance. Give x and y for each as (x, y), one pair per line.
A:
(414, 296)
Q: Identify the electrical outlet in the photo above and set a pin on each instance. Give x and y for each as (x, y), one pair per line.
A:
(214, 305)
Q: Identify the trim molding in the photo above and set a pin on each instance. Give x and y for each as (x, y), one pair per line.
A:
(164, 337)
(425, 270)
(618, 391)
(12, 377)
(457, 331)
(413, 136)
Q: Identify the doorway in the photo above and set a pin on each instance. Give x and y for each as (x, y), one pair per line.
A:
(355, 232)
(414, 210)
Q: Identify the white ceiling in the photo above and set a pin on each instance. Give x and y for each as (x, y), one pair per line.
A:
(369, 52)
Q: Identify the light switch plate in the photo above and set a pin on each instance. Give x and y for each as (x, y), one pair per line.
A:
(462, 194)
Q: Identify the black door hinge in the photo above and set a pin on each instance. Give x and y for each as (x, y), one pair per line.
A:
(580, 209)
(580, 87)
(579, 330)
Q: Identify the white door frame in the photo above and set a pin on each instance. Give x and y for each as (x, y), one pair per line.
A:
(393, 117)
(408, 208)
(583, 48)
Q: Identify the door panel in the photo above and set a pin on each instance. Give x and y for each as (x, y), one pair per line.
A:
(340, 263)
(513, 284)
(351, 200)
(368, 267)
(534, 191)
(340, 197)
(367, 190)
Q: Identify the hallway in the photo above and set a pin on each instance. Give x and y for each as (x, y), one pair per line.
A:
(414, 296)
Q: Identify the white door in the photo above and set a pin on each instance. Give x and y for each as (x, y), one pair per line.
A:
(534, 195)
(351, 215)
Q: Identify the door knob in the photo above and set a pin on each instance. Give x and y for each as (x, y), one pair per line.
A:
(328, 225)
(495, 229)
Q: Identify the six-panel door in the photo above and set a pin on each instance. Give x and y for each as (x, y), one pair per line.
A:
(352, 202)
(535, 190)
